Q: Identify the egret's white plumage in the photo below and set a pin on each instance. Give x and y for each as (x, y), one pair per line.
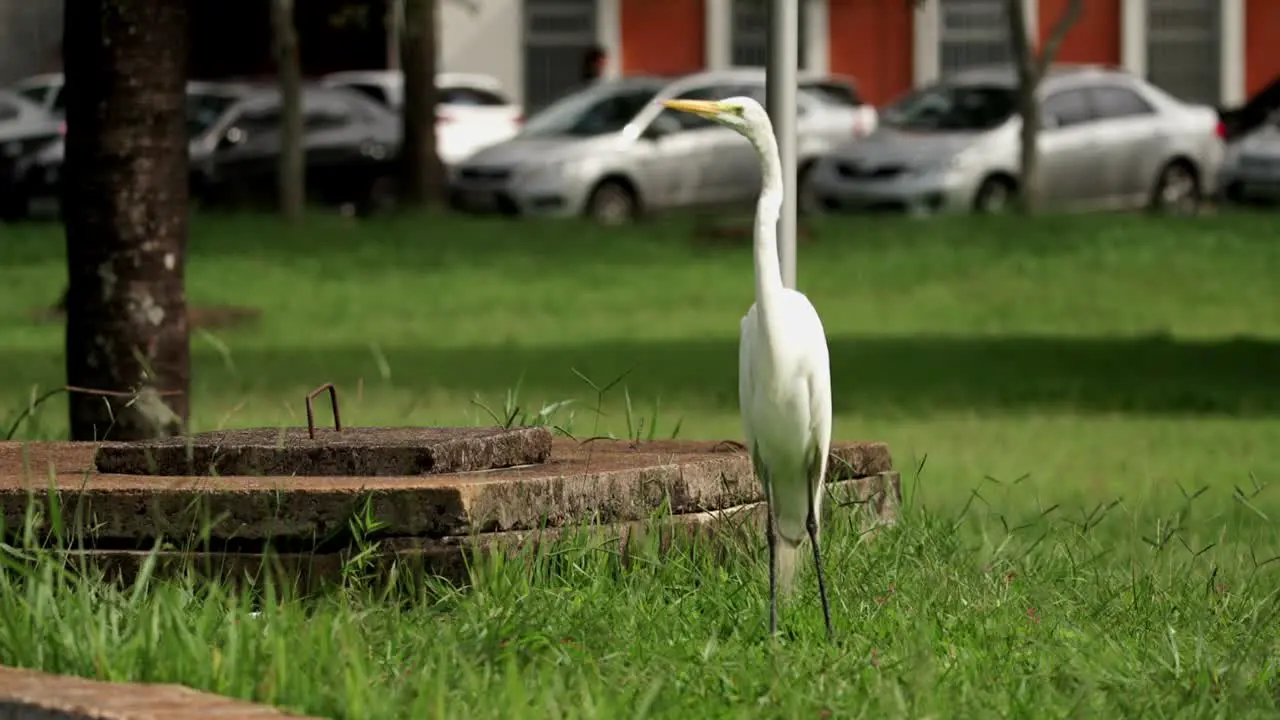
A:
(784, 371)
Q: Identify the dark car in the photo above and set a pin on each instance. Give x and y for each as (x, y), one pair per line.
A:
(25, 129)
(350, 143)
(1242, 120)
(207, 103)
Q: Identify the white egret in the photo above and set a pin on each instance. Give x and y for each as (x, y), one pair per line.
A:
(784, 372)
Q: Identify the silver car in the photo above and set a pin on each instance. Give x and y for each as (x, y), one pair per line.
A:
(611, 152)
(1108, 140)
(1251, 171)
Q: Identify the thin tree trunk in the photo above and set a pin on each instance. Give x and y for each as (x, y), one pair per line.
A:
(1031, 65)
(125, 213)
(422, 180)
(291, 173)
(1024, 62)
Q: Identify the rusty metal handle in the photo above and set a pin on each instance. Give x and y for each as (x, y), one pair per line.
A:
(333, 403)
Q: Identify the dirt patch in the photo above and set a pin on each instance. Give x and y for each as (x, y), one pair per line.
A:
(31, 694)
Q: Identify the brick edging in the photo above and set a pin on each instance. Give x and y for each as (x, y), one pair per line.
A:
(31, 695)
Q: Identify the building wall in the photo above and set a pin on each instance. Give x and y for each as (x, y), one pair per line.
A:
(30, 38)
(665, 37)
(485, 36)
(872, 42)
(1095, 38)
(1262, 43)
(878, 42)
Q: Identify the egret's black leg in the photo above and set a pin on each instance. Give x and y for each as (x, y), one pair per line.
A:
(771, 536)
(811, 524)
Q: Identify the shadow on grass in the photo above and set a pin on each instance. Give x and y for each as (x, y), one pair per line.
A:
(906, 375)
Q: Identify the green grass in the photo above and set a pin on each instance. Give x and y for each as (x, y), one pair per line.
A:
(1036, 372)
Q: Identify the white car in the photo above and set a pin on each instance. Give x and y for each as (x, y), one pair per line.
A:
(473, 111)
(44, 90)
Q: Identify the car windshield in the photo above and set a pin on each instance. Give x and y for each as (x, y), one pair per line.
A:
(203, 110)
(598, 110)
(953, 108)
(34, 93)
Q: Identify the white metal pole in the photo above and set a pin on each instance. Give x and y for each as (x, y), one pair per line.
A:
(780, 101)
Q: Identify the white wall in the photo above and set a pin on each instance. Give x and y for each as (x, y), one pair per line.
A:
(30, 35)
(485, 36)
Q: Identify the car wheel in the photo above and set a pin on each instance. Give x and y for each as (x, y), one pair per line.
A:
(1177, 190)
(612, 203)
(381, 197)
(995, 195)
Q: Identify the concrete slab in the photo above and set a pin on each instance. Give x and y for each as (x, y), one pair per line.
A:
(873, 500)
(601, 482)
(31, 695)
(358, 451)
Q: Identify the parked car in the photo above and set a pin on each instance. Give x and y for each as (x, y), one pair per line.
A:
(472, 112)
(1251, 171)
(1108, 140)
(844, 91)
(1254, 113)
(41, 174)
(350, 144)
(25, 128)
(611, 152)
(44, 90)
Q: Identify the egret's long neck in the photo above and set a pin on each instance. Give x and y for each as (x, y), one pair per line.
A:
(768, 209)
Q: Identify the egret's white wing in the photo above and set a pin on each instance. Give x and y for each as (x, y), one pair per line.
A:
(746, 338)
(819, 383)
(745, 387)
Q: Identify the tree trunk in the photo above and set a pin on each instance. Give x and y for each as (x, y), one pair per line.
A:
(1031, 186)
(1026, 65)
(1031, 65)
(125, 212)
(422, 176)
(291, 173)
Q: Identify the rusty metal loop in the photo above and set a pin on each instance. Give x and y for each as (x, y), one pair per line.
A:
(333, 403)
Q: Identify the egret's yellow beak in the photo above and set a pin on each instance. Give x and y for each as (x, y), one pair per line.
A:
(705, 108)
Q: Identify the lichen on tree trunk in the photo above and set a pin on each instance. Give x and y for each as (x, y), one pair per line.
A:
(125, 214)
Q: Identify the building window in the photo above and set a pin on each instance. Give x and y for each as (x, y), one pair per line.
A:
(1184, 56)
(558, 34)
(973, 33)
(751, 33)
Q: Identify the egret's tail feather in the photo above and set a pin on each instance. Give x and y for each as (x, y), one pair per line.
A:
(788, 555)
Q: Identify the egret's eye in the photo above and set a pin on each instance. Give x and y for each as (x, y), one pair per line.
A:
(739, 110)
